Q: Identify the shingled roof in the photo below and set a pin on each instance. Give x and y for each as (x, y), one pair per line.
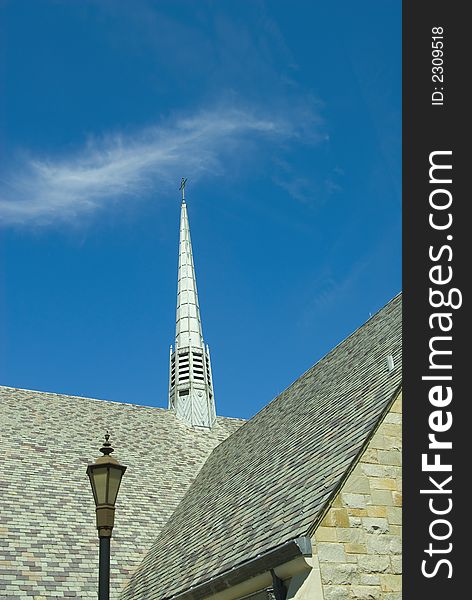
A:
(48, 540)
(270, 481)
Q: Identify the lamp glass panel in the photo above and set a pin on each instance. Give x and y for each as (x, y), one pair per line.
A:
(114, 484)
(100, 480)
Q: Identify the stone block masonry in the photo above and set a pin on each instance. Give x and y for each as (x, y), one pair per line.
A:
(359, 540)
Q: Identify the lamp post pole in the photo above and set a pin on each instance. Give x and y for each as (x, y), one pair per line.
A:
(105, 478)
(104, 569)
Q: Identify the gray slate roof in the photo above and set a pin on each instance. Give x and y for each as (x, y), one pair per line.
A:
(269, 481)
(48, 540)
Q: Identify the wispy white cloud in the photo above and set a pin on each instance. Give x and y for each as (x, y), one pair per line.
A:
(311, 189)
(302, 189)
(40, 190)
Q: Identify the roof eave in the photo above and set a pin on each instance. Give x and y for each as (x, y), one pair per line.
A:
(298, 547)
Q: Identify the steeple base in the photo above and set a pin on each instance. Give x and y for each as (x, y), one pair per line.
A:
(191, 387)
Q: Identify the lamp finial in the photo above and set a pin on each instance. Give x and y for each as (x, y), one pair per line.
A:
(106, 449)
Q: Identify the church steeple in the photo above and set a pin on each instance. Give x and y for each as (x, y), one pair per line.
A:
(190, 386)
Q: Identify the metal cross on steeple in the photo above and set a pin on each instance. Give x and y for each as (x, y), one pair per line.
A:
(182, 187)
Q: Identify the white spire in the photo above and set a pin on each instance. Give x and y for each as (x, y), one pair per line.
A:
(190, 385)
(188, 328)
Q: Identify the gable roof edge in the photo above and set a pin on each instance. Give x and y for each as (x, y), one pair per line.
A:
(355, 461)
(288, 551)
(322, 358)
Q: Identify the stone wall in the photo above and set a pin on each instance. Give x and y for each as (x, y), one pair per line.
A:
(358, 542)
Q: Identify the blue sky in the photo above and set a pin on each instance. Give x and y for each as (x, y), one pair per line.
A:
(286, 120)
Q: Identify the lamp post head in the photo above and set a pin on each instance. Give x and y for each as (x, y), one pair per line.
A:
(105, 478)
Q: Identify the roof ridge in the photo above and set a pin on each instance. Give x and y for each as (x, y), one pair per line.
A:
(381, 309)
(7, 387)
(376, 314)
(160, 408)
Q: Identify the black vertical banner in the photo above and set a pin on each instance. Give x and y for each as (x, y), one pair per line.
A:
(437, 258)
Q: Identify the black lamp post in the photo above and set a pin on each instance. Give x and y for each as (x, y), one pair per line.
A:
(105, 477)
